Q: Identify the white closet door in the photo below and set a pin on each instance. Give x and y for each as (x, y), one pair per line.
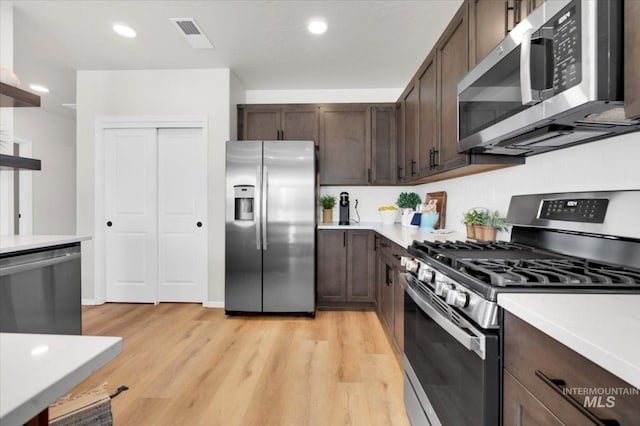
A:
(182, 191)
(131, 243)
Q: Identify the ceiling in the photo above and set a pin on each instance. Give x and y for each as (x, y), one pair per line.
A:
(369, 44)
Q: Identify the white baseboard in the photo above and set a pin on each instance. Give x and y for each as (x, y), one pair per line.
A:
(91, 302)
(213, 304)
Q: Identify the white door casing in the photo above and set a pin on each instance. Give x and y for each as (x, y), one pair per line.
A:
(131, 242)
(182, 227)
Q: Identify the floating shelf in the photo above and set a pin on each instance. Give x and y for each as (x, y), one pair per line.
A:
(11, 96)
(15, 162)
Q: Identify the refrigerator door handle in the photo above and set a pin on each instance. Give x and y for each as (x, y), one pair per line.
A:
(265, 191)
(257, 211)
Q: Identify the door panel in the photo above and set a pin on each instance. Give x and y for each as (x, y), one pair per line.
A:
(289, 221)
(262, 124)
(300, 123)
(182, 184)
(243, 251)
(130, 207)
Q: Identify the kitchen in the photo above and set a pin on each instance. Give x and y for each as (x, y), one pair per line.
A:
(607, 164)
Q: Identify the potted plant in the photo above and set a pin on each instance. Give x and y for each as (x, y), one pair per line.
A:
(407, 201)
(471, 218)
(489, 225)
(327, 202)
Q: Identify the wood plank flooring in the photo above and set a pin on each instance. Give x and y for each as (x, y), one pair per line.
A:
(185, 364)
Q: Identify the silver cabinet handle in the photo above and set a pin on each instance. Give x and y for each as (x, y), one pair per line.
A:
(525, 70)
(256, 212)
(9, 270)
(265, 191)
(472, 343)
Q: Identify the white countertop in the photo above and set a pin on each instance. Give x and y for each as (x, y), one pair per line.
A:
(401, 235)
(604, 328)
(13, 243)
(38, 369)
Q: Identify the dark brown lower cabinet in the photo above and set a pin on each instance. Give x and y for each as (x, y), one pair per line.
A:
(390, 293)
(547, 383)
(345, 269)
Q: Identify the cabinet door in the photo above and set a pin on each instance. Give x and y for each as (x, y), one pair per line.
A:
(400, 170)
(360, 263)
(378, 273)
(386, 293)
(345, 144)
(452, 60)
(261, 123)
(428, 145)
(521, 408)
(332, 268)
(488, 22)
(300, 122)
(383, 134)
(398, 308)
(632, 58)
(411, 133)
(524, 8)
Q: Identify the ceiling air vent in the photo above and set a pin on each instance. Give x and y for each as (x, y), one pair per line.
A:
(192, 32)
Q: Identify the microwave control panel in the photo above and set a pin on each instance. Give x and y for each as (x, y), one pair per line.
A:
(567, 52)
(590, 210)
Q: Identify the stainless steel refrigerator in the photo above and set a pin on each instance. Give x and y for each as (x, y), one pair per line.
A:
(270, 227)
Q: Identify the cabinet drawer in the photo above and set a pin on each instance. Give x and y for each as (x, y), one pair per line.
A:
(555, 374)
(521, 408)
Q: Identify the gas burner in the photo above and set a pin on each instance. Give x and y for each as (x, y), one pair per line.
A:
(574, 273)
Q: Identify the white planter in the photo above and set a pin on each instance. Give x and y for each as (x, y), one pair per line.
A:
(389, 216)
(407, 215)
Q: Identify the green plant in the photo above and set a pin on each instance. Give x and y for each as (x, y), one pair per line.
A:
(475, 217)
(327, 201)
(494, 220)
(408, 200)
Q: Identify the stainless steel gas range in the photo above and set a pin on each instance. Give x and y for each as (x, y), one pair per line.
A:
(586, 242)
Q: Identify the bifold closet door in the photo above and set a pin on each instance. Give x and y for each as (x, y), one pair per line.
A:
(182, 226)
(131, 237)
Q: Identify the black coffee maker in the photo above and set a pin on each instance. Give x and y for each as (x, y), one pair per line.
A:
(344, 208)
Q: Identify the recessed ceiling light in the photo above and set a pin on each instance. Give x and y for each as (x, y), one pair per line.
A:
(38, 88)
(124, 30)
(317, 26)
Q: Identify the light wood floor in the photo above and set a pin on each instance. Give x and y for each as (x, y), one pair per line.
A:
(189, 365)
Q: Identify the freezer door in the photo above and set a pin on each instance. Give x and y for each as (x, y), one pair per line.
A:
(289, 182)
(243, 248)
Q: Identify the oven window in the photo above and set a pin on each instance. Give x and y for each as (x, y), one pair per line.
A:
(462, 388)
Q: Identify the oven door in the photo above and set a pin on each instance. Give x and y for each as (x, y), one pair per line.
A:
(452, 369)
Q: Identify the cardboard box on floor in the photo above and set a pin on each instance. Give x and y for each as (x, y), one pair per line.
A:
(92, 407)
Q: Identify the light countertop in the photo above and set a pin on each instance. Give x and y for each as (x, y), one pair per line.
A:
(401, 235)
(14, 243)
(604, 328)
(38, 369)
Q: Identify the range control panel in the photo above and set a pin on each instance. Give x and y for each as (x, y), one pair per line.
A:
(590, 210)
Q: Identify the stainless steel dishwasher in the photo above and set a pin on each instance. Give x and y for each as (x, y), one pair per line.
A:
(40, 291)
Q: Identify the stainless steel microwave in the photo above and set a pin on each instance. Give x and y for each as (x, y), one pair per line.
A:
(556, 80)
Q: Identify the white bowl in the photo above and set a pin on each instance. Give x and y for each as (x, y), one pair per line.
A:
(389, 216)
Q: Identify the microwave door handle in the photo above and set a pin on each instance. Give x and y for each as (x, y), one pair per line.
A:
(525, 69)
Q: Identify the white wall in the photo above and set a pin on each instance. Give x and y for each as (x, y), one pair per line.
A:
(369, 199)
(237, 96)
(186, 92)
(608, 164)
(53, 138)
(322, 96)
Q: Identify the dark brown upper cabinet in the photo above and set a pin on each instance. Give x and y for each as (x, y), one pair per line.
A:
(489, 22)
(345, 144)
(400, 172)
(452, 59)
(383, 144)
(428, 141)
(429, 111)
(410, 124)
(278, 122)
(632, 59)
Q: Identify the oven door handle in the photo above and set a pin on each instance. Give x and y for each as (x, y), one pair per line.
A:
(472, 343)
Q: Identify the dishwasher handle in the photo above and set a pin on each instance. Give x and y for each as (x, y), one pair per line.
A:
(29, 266)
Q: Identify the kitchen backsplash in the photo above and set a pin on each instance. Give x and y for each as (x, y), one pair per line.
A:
(609, 164)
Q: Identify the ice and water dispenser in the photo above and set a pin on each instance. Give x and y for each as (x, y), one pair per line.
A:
(244, 196)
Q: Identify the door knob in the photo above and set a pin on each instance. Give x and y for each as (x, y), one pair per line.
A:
(199, 224)
(109, 223)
